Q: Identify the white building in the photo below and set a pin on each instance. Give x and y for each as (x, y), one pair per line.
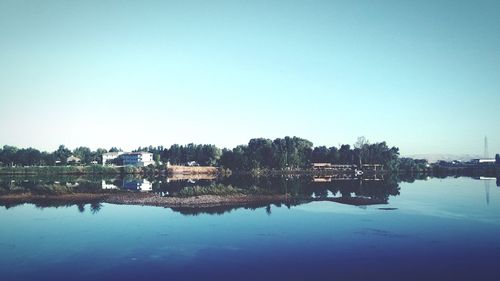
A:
(129, 158)
(484, 161)
(110, 156)
(73, 159)
(138, 158)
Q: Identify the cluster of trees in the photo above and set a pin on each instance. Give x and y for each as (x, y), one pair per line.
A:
(411, 165)
(11, 155)
(293, 153)
(204, 154)
(362, 153)
(260, 153)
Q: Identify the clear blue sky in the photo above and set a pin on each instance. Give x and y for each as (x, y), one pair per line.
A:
(422, 75)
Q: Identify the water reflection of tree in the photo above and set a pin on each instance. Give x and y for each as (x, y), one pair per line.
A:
(303, 190)
(81, 207)
(305, 187)
(268, 210)
(172, 187)
(51, 184)
(299, 190)
(220, 210)
(95, 207)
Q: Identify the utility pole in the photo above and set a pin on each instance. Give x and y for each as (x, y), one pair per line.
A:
(486, 154)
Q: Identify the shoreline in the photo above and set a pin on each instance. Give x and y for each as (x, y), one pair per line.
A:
(179, 174)
(142, 199)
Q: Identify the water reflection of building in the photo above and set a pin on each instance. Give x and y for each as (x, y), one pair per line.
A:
(346, 167)
(137, 184)
(335, 167)
(129, 184)
(348, 177)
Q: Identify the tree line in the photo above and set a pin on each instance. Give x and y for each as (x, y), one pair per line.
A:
(11, 155)
(295, 153)
(259, 153)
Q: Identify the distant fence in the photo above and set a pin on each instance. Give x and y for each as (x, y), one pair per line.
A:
(188, 170)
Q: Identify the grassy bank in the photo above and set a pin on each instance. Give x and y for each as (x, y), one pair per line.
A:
(220, 190)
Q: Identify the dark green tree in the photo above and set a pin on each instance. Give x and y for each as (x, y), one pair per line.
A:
(320, 154)
(8, 155)
(84, 153)
(62, 154)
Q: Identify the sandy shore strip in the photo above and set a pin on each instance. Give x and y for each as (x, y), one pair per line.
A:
(145, 199)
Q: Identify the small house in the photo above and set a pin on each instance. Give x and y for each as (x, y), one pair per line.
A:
(73, 160)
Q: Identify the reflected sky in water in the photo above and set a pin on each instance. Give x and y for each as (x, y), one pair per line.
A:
(439, 229)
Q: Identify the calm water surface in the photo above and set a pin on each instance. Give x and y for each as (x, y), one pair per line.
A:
(436, 229)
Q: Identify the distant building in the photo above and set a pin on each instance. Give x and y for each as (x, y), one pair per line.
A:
(73, 159)
(137, 158)
(129, 158)
(483, 161)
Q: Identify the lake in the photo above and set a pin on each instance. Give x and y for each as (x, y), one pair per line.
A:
(423, 229)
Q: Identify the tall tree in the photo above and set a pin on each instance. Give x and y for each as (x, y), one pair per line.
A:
(345, 154)
(8, 154)
(84, 153)
(320, 154)
(62, 154)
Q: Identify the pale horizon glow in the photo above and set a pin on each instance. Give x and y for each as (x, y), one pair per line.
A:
(420, 75)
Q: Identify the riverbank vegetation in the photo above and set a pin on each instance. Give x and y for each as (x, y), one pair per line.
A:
(220, 189)
(260, 153)
(67, 170)
(259, 156)
(291, 153)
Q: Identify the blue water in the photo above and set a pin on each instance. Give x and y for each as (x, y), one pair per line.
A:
(439, 229)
